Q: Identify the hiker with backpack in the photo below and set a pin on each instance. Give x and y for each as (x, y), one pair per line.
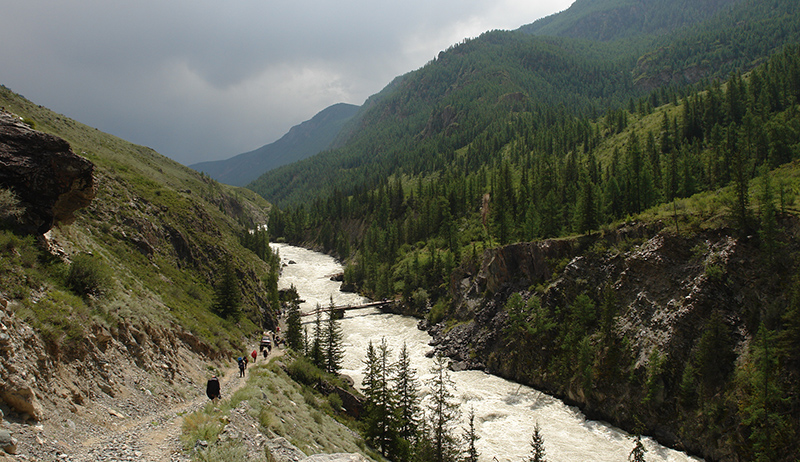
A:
(212, 389)
(242, 365)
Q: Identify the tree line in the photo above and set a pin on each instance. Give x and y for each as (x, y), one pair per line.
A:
(551, 174)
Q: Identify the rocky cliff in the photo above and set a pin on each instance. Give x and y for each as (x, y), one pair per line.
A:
(51, 181)
(616, 324)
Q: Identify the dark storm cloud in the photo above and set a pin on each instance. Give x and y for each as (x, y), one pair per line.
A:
(201, 80)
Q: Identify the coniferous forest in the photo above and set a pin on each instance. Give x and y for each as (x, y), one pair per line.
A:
(691, 122)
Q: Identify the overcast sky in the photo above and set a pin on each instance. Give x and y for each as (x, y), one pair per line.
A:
(204, 80)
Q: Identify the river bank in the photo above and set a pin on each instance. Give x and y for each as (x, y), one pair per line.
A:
(506, 412)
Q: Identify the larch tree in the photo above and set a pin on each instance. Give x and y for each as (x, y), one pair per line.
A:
(381, 401)
(407, 411)
(470, 438)
(294, 329)
(227, 294)
(537, 446)
(334, 352)
(444, 412)
(637, 453)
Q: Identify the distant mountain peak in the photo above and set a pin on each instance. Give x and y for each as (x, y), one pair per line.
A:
(301, 141)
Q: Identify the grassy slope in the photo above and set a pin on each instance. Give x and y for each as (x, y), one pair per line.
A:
(279, 406)
(162, 229)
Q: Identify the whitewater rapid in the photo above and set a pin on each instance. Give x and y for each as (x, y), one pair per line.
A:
(505, 412)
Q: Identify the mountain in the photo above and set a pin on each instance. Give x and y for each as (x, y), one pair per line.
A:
(147, 211)
(478, 87)
(605, 20)
(124, 296)
(118, 267)
(468, 89)
(611, 220)
(302, 141)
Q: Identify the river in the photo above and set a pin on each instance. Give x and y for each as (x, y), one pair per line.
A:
(505, 412)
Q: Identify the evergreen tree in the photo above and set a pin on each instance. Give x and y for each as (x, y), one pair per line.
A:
(637, 453)
(380, 406)
(761, 405)
(444, 412)
(334, 352)
(537, 446)
(715, 355)
(470, 438)
(587, 216)
(407, 413)
(294, 329)
(789, 336)
(227, 295)
(422, 448)
(316, 352)
(633, 169)
(739, 172)
(769, 223)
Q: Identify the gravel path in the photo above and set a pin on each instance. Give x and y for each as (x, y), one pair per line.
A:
(152, 435)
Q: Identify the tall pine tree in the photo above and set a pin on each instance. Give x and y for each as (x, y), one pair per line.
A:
(444, 412)
(379, 409)
(537, 446)
(227, 294)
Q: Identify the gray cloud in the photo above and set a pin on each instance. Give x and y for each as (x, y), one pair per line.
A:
(202, 80)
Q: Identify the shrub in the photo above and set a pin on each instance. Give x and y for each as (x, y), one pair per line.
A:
(715, 272)
(303, 371)
(200, 426)
(419, 300)
(437, 312)
(227, 452)
(88, 275)
(335, 401)
(10, 209)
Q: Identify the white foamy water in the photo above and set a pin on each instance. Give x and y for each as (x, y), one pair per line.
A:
(505, 412)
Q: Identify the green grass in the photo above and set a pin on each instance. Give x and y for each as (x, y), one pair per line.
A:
(156, 233)
(281, 407)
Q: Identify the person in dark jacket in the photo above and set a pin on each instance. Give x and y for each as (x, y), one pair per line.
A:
(212, 388)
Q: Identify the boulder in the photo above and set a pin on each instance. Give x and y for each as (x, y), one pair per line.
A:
(50, 180)
(7, 443)
(281, 450)
(20, 397)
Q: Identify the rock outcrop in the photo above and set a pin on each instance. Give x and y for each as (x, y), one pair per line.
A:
(666, 289)
(50, 180)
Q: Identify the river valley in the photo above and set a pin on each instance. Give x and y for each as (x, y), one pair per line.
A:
(505, 412)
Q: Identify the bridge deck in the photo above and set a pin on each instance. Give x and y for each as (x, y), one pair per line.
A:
(325, 309)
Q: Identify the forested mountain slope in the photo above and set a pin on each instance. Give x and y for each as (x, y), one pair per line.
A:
(711, 172)
(302, 141)
(481, 86)
(608, 20)
(430, 113)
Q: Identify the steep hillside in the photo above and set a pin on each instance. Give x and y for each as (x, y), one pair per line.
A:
(608, 20)
(482, 88)
(712, 173)
(302, 141)
(673, 334)
(468, 90)
(131, 299)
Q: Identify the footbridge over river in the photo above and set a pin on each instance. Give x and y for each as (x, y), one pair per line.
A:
(338, 311)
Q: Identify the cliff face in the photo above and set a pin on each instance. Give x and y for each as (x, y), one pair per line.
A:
(51, 181)
(612, 324)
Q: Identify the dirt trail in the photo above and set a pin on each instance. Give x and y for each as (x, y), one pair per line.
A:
(162, 442)
(155, 437)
